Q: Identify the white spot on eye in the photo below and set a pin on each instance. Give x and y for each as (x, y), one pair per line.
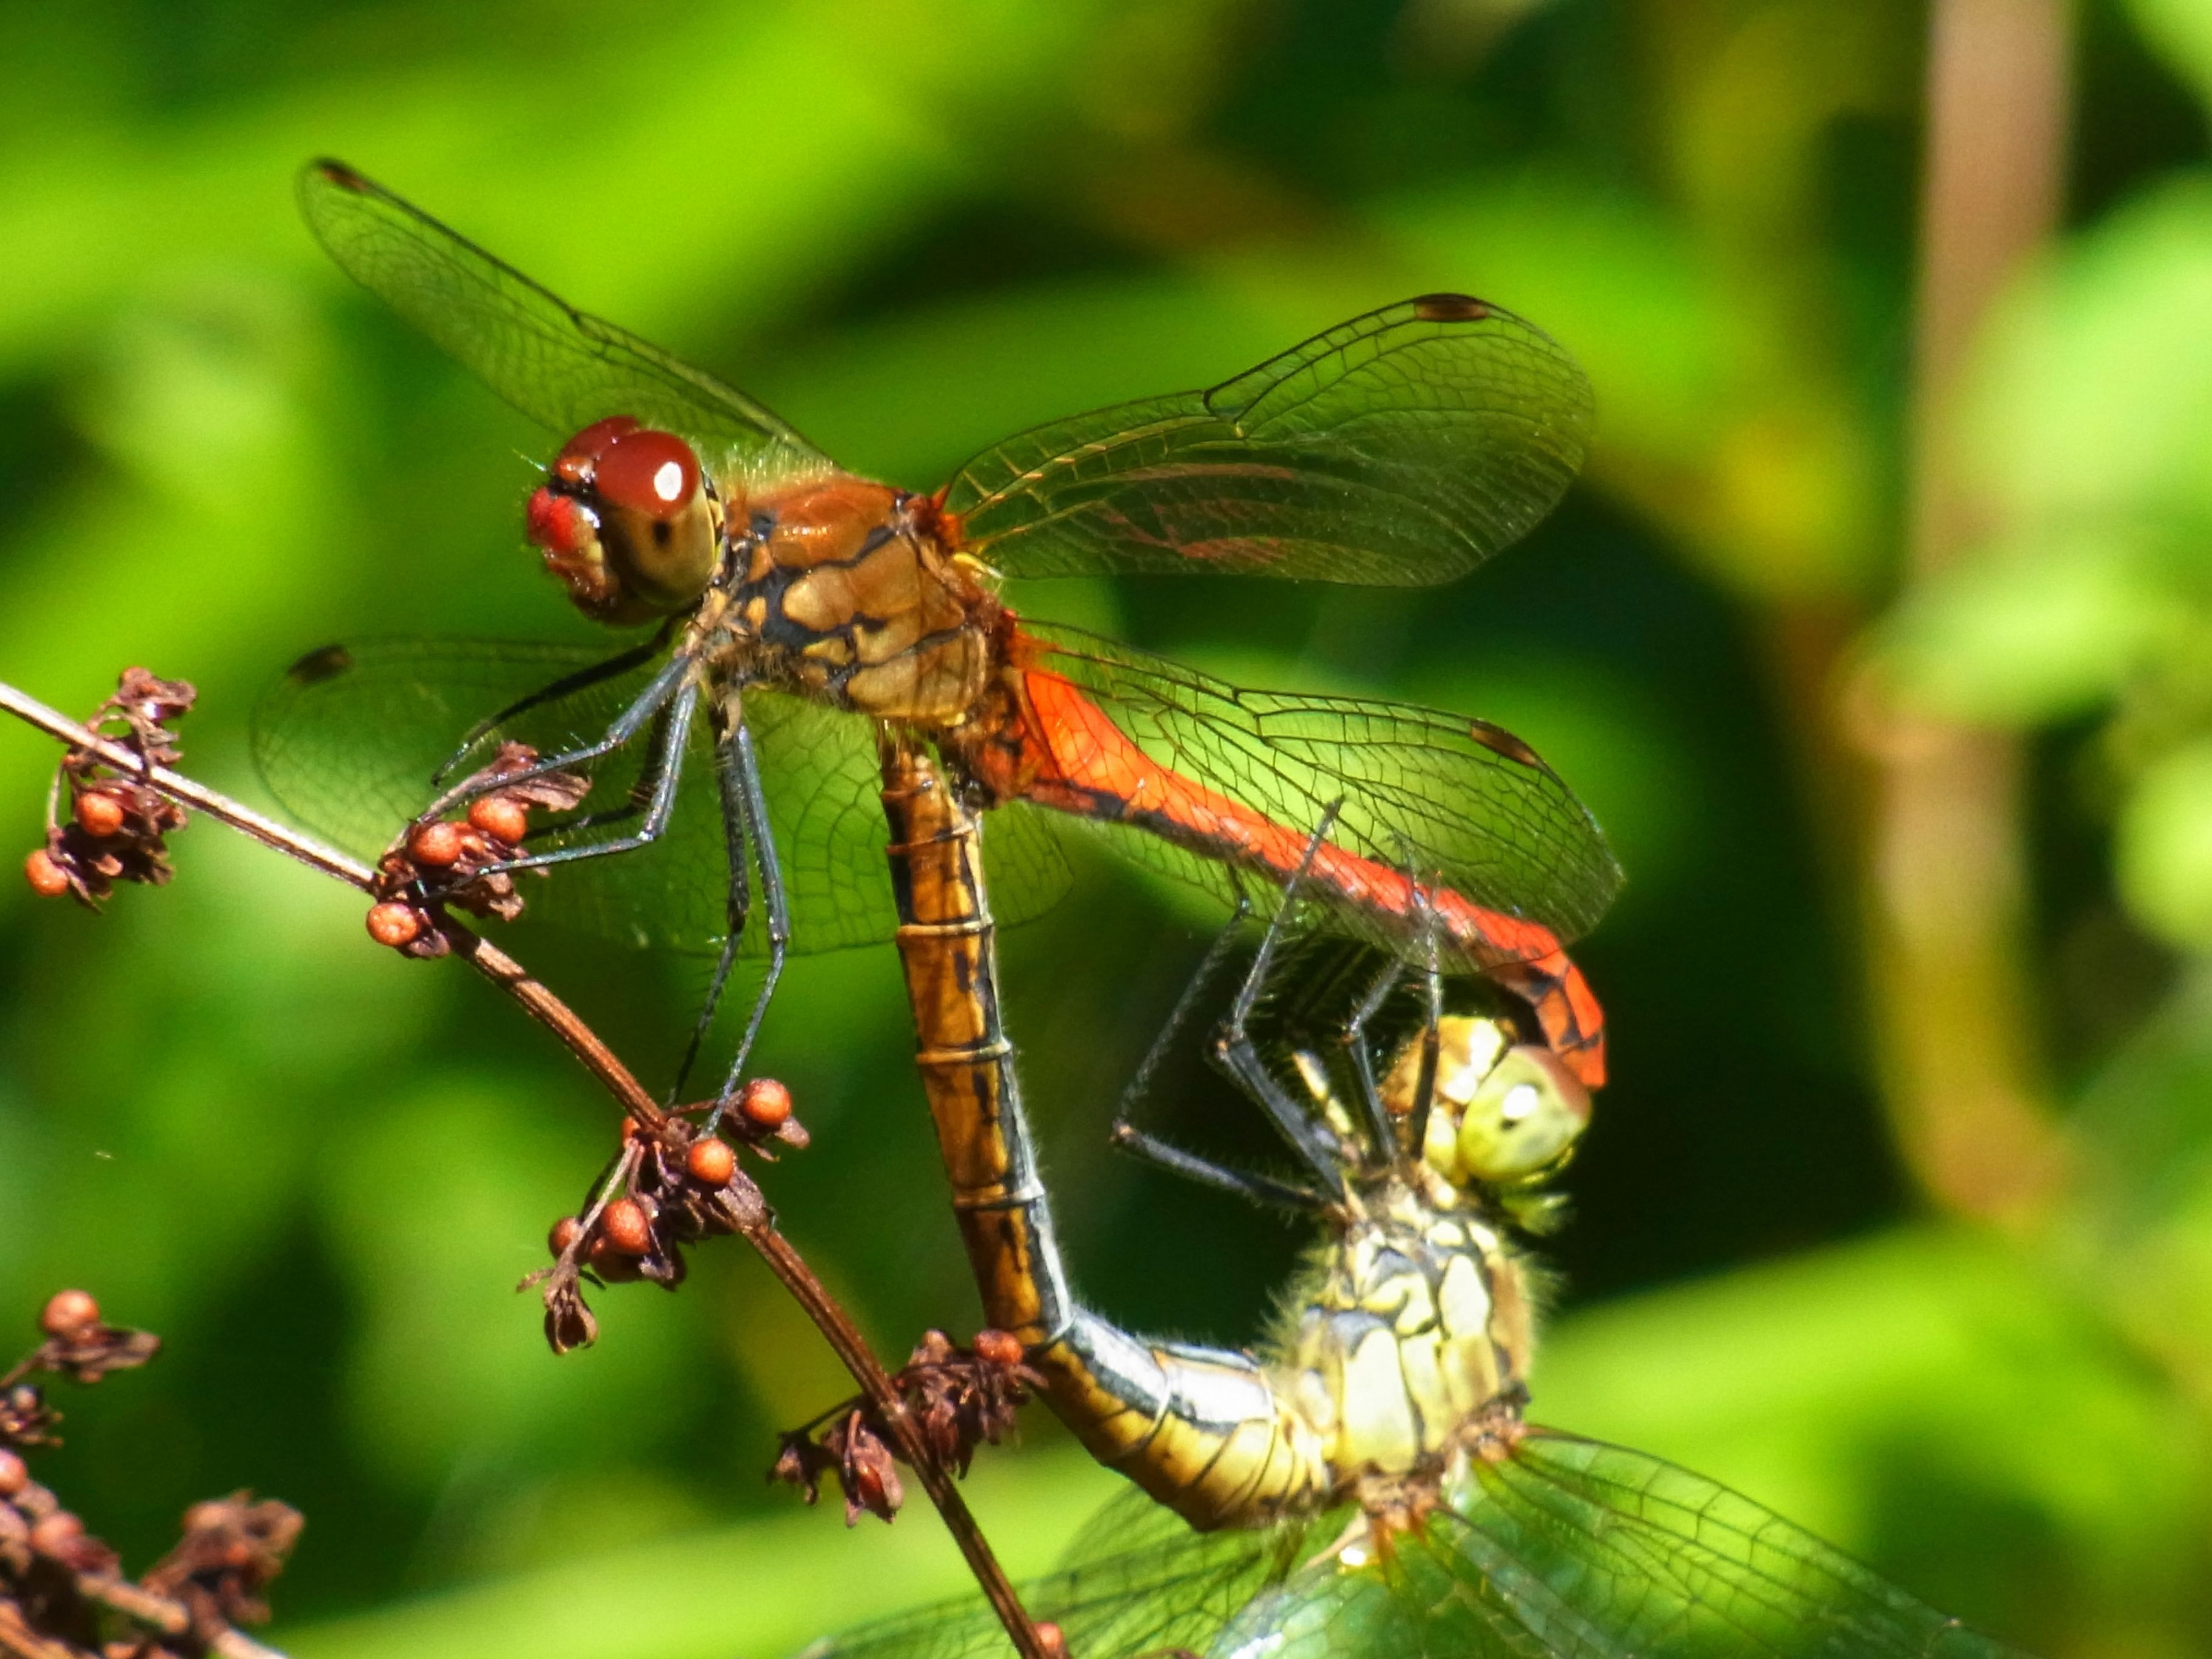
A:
(1522, 1101)
(668, 481)
(1353, 1556)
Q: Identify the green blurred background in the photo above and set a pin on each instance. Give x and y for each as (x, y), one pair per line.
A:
(1965, 1332)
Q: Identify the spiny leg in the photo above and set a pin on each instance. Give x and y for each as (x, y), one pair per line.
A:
(1425, 1082)
(737, 894)
(743, 796)
(667, 766)
(1125, 1110)
(1244, 1183)
(582, 680)
(1382, 1132)
(1234, 1052)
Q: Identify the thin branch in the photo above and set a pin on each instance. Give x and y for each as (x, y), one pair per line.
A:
(549, 1010)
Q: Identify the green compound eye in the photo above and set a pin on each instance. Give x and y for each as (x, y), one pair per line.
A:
(1522, 1119)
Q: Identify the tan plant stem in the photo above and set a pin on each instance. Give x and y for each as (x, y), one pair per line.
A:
(1953, 1007)
(789, 1267)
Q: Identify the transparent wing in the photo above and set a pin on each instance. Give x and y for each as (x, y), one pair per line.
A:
(559, 366)
(1138, 1582)
(1458, 800)
(350, 739)
(1568, 1549)
(1403, 447)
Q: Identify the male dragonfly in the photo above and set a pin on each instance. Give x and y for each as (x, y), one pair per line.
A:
(804, 608)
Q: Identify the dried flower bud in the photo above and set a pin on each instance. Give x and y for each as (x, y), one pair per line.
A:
(99, 813)
(57, 1534)
(437, 845)
(15, 1474)
(711, 1162)
(1051, 1638)
(394, 924)
(47, 878)
(563, 1235)
(627, 1226)
(765, 1103)
(997, 1348)
(69, 1313)
(501, 816)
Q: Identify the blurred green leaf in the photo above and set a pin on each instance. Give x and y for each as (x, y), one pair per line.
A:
(2165, 847)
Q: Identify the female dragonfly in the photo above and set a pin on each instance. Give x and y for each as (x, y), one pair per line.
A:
(1367, 1486)
(805, 607)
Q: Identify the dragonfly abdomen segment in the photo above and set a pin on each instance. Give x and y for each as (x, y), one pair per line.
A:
(1059, 748)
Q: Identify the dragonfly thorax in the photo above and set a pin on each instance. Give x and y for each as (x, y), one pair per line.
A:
(1415, 1326)
(844, 591)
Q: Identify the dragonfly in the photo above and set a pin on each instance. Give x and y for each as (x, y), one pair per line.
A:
(1368, 1484)
(804, 609)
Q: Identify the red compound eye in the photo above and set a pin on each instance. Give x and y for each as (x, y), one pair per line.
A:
(580, 453)
(557, 522)
(655, 473)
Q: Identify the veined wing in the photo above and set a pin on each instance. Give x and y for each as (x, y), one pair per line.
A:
(1401, 448)
(1456, 801)
(1137, 1581)
(1574, 1549)
(350, 739)
(1567, 1549)
(559, 366)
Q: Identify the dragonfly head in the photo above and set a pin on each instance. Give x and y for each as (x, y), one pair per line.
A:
(1505, 1112)
(627, 521)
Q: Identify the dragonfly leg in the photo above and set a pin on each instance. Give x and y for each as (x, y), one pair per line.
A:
(737, 901)
(1125, 1110)
(1379, 1127)
(582, 680)
(1259, 1190)
(744, 801)
(668, 683)
(1432, 982)
(667, 770)
(1234, 1053)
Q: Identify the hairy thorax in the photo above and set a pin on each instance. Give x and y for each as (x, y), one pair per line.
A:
(1418, 1327)
(846, 593)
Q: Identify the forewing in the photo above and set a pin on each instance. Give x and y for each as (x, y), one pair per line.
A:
(1454, 801)
(350, 740)
(559, 366)
(1401, 448)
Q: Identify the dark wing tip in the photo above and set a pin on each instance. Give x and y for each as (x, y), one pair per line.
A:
(327, 663)
(1501, 741)
(333, 171)
(1450, 308)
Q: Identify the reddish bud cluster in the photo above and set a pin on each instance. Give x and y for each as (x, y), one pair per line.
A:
(116, 823)
(440, 861)
(676, 1186)
(957, 1398)
(61, 1595)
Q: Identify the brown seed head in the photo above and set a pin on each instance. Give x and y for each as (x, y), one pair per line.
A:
(626, 1227)
(68, 1313)
(394, 924)
(997, 1348)
(1052, 1638)
(47, 878)
(99, 813)
(15, 1474)
(437, 844)
(501, 816)
(765, 1103)
(563, 1235)
(711, 1162)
